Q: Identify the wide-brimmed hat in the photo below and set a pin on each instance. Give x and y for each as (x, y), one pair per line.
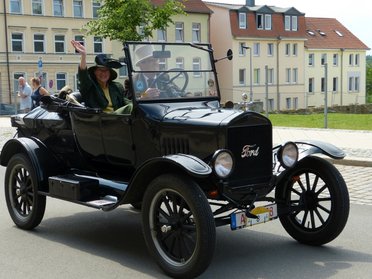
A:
(104, 61)
(143, 52)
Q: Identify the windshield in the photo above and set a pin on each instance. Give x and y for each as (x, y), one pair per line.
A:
(171, 71)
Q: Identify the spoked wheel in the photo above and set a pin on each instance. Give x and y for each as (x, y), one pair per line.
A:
(178, 226)
(316, 199)
(25, 206)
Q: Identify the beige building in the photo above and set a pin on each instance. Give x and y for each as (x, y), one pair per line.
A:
(36, 38)
(272, 47)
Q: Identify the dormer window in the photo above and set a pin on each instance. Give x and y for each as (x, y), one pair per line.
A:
(290, 23)
(242, 21)
(263, 21)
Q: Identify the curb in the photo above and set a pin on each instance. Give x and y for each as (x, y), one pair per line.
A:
(355, 162)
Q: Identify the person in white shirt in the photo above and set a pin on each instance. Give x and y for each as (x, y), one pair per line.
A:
(24, 94)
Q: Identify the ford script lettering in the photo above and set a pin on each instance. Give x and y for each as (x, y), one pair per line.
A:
(250, 151)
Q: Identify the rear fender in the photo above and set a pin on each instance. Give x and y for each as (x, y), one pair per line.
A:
(181, 163)
(42, 160)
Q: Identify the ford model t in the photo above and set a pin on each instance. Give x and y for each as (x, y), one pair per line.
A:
(187, 163)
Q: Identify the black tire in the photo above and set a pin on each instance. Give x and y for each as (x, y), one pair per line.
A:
(25, 206)
(178, 226)
(316, 200)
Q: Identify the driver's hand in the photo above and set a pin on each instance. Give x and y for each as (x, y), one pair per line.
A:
(151, 93)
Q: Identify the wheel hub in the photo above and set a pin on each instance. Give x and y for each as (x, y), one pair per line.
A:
(309, 200)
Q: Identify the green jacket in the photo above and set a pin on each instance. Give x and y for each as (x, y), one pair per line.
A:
(93, 96)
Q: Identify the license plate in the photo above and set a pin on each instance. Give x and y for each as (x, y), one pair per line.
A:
(264, 214)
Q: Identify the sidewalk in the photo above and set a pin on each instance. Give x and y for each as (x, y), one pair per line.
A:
(356, 144)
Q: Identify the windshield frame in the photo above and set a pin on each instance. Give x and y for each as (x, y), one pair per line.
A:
(129, 58)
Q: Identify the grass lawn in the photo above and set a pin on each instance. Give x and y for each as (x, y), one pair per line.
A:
(335, 121)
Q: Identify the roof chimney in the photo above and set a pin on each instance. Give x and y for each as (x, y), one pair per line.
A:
(250, 3)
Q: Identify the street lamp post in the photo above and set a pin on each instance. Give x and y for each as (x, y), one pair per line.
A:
(250, 73)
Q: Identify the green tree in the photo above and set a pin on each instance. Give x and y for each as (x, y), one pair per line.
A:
(121, 19)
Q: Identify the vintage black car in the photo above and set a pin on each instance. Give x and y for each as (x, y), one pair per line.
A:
(187, 163)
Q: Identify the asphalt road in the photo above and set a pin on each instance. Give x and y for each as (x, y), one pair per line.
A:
(78, 242)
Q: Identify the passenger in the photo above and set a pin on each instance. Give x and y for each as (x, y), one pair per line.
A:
(38, 92)
(97, 86)
(24, 94)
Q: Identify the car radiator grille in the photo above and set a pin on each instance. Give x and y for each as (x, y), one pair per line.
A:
(175, 145)
(252, 149)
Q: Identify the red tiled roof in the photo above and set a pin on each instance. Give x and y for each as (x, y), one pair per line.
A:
(191, 6)
(335, 35)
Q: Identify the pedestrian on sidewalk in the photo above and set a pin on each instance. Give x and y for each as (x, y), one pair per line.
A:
(38, 92)
(24, 94)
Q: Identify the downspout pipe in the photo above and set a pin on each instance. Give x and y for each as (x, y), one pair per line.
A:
(7, 49)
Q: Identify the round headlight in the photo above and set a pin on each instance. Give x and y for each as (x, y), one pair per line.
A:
(288, 155)
(223, 163)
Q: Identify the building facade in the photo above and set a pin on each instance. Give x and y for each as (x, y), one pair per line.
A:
(36, 38)
(271, 48)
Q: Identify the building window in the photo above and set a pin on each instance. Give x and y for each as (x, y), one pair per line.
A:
(256, 76)
(241, 76)
(162, 64)
(335, 84)
(242, 49)
(294, 24)
(196, 67)
(311, 85)
(351, 84)
(37, 7)
(59, 43)
(295, 75)
(16, 76)
(180, 63)
(295, 103)
(267, 22)
(270, 49)
(295, 49)
(270, 76)
(256, 49)
(288, 75)
(290, 23)
(356, 60)
(179, 32)
(196, 33)
(123, 71)
(356, 84)
(39, 43)
(78, 8)
(351, 59)
(58, 8)
(323, 59)
(98, 44)
(288, 103)
(287, 49)
(96, 5)
(60, 80)
(162, 35)
(242, 20)
(271, 104)
(335, 59)
(80, 39)
(322, 85)
(17, 42)
(311, 59)
(15, 6)
(259, 21)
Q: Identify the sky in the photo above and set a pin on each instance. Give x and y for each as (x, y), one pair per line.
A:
(355, 15)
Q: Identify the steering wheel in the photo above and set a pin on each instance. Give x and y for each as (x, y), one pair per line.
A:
(166, 84)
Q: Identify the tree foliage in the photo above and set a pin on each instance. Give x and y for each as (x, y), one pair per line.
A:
(121, 19)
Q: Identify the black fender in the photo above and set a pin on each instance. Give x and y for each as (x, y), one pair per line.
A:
(42, 160)
(179, 163)
(309, 147)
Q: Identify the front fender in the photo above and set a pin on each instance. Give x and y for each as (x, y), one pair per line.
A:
(309, 147)
(152, 168)
(43, 161)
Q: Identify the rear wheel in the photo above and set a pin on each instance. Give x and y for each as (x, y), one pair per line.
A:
(313, 201)
(25, 206)
(178, 226)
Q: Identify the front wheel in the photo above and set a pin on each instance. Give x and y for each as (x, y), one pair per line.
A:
(25, 206)
(313, 201)
(178, 226)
